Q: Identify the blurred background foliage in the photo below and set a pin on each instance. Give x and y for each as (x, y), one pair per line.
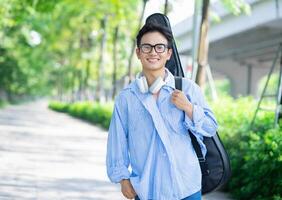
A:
(255, 153)
(55, 47)
(79, 50)
(72, 50)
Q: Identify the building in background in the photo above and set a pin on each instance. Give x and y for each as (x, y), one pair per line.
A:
(242, 48)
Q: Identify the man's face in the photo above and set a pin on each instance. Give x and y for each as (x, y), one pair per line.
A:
(153, 60)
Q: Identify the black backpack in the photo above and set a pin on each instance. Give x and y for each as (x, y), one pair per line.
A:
(215, 167)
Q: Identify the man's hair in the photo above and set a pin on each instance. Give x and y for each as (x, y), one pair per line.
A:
(154, 27)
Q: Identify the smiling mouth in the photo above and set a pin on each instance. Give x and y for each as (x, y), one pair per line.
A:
(153, 60)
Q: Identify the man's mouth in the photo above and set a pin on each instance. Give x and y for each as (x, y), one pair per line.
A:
(153, 60)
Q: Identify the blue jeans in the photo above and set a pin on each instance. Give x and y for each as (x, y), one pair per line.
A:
(195, 196)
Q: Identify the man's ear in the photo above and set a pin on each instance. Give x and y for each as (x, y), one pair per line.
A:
(169, 53)
(137, 50)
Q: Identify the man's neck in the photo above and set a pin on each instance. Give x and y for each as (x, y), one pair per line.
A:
(151, 76)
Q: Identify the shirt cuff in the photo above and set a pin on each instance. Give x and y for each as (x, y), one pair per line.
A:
(198, 118)
(116, 174)
(196, 124)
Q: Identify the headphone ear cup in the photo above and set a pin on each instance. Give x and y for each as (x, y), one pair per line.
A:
(142, 84)
(145, 84)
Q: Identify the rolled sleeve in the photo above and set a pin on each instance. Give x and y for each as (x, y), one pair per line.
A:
(118, 172)
(198, 118)
(117, 159)
(202, 123)
(195, 126)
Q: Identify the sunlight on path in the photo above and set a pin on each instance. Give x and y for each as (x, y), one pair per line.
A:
(47, 155)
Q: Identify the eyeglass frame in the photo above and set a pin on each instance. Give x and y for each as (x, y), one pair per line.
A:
(154, 46)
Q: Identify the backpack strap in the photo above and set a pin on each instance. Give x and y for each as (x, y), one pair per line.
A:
(178, 82)
(196, 145)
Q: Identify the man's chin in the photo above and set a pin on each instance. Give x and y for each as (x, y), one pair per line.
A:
(154, 67)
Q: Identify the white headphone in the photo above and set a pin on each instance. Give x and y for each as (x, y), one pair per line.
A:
(143, 85)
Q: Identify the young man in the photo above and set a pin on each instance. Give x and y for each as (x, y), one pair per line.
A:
(149, 127)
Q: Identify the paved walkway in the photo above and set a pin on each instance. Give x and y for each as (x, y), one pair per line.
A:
(50, 156)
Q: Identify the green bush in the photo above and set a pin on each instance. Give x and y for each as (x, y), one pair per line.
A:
(255, 153)
(95, 113)
(59, 106)
(3, 103)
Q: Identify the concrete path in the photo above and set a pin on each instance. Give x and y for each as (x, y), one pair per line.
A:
(50, 156)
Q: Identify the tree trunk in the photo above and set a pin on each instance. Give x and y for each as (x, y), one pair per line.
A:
(100, 71)
(129, 73)
(73, 74)
(115, 62)
(80, 84)
(86, 79)
(166, 7)
(203, 46)
(59, 86)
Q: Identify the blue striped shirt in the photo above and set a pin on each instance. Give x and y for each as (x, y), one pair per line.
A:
(149, 144)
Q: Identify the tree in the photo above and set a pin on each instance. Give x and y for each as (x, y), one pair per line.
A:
(166, 7)
(100, 75)
(115, 62)
(67, 61)
(129, 73)
(203, 45)
(236, 7)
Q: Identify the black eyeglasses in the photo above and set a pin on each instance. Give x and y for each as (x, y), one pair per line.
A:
(147, 48)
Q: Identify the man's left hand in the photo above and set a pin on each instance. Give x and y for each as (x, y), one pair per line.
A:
(179, 99)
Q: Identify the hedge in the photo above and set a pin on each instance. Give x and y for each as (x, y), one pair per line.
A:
(3, 103)
(255, 154)
(93, 112)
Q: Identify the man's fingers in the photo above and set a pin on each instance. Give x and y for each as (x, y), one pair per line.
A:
(132, 196)
(177, 93)
(129, 193)
(126, 193)
(127, 189)
(174, 99)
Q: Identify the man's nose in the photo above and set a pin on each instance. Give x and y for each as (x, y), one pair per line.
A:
(153, 51)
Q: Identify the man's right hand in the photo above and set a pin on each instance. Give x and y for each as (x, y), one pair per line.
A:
(127, 189)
